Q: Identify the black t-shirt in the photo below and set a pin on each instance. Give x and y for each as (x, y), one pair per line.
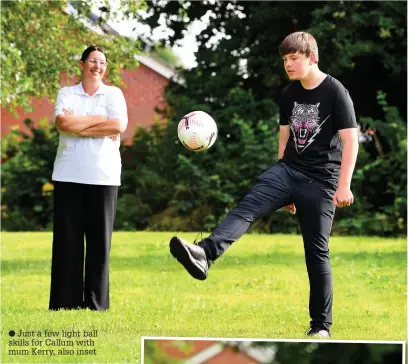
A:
(314, 117)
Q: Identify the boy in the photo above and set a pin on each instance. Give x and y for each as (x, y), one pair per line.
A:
(318, 147)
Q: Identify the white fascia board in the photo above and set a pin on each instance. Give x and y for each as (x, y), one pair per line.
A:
(156, 66)
(206, 354)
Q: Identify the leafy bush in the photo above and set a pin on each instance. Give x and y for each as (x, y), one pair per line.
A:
(28, 160)
(379, 182)
(167, 187)
(193, 191)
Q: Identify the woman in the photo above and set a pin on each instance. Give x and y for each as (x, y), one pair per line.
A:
(89, 117)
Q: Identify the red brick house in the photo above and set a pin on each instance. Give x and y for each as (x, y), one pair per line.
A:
(144, 92)
(213, 352)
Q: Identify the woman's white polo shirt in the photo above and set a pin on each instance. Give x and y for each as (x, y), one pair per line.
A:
(89, 160)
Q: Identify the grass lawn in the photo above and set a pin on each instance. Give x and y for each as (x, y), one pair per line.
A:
(258, 289)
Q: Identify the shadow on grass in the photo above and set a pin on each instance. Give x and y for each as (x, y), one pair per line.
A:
(392, 259)
(166, 261)
(16, 266)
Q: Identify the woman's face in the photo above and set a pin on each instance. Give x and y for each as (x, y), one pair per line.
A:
(94, 67)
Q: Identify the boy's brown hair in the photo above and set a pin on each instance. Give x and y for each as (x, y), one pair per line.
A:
(301, 42)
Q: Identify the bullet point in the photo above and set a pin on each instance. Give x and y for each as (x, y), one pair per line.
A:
(11, 333)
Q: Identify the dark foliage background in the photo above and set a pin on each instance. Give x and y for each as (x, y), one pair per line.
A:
(237, 81)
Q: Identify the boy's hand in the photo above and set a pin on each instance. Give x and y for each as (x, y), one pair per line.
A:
(291, 208)
(343, 197)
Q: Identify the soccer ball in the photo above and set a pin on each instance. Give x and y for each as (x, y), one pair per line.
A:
(197, 131)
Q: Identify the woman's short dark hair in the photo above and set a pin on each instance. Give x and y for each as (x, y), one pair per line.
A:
(90, 49)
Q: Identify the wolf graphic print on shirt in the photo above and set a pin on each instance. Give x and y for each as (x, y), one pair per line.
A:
(305, 124)
(314, 118)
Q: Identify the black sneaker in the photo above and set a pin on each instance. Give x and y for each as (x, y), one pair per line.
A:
(191, 256)
(318, 331)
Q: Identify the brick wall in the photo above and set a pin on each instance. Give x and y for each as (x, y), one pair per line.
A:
(194, 347)
(144, 92)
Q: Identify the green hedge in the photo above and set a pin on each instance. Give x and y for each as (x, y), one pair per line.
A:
(167, 187)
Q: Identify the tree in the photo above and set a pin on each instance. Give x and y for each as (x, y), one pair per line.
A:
(165, 55)
(357, 41)
(240, 75)
(337, 353)
(237, 80)
(42, 39)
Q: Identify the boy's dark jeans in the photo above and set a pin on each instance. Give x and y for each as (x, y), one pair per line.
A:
(279, 186)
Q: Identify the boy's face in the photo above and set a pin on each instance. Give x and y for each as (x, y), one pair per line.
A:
(297, 65)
